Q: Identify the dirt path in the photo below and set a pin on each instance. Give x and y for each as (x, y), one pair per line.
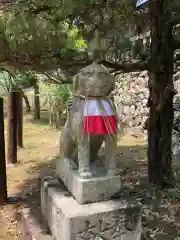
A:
(40, 146)
(38, 157)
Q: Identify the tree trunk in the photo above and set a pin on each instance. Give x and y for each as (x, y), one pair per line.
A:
(12, 128)
(36, 102)
(3, 181)
(161, 96)
(50, 111)
(19, 119)
(28, 108)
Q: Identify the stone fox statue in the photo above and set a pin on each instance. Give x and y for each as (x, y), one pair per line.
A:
(91, 120)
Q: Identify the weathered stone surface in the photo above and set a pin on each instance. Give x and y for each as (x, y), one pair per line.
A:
(98, 188)
(130, 96)
(68, 220)
(92, 82)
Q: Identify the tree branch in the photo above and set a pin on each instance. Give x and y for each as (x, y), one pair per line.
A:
(126, 67)
(55, 81)
(41, 9)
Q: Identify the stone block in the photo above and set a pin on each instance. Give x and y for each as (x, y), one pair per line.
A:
(100, 187)
(68, 220)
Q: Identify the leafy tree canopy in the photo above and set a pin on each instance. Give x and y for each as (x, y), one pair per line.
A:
(36, 41)
(49, 34)
(43, 34)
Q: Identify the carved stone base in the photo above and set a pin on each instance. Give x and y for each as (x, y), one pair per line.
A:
(100, 187)
(68, 220)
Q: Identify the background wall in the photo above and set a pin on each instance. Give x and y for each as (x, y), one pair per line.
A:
(131, 94)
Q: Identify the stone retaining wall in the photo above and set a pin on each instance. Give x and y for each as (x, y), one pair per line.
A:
(131, 95)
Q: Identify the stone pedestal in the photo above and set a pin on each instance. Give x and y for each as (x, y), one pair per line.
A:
(100, 187)
(68, 220)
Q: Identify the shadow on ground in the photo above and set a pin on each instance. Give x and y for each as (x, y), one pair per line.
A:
(30, 190)
(42, 121)
(133, 164)
(130, 159)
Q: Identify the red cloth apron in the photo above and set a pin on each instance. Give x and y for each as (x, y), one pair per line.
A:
(99, 117)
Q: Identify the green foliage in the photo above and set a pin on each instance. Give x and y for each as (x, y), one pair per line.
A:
(43, 33)
(56, 98)
(74, 43)
(177, 238)
(63, 92)
(10, 80)
(6, 81)
(38, 41)
(25, 79)
(75, 40)
(121, 48)
(33, 35)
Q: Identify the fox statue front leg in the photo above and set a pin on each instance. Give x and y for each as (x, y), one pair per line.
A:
(84, 156)
(111, 149)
